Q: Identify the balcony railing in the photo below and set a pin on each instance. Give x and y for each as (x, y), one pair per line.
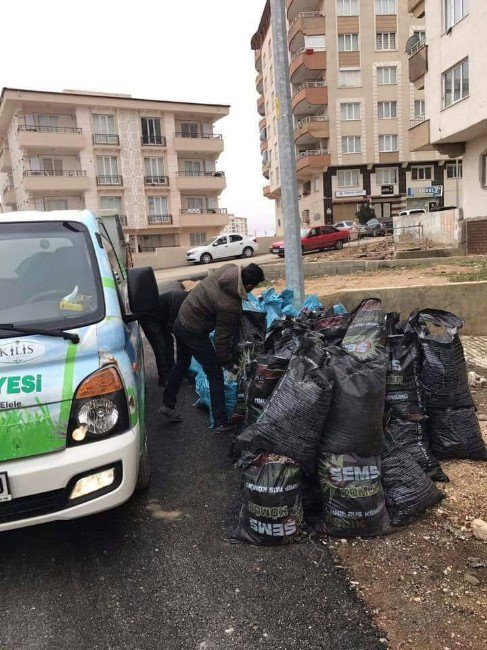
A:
(311, 118)
(204, 211)
(309, 84)
(68, 173)
(188, 174)
(109, 180)
(159, 219)
(307, 50)
(204, 136)
(417, 46)
(156, 180)
(153, 141)
(312, 152)
(417, 119)
(306, 14)
(49, 129)
(106, 138)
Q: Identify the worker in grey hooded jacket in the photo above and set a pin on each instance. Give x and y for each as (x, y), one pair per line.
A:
(214, 304)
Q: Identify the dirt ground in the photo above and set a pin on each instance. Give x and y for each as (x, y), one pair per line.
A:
(398, 277)
(418, 580)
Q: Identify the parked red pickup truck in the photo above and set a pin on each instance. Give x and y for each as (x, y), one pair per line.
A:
(316, 238)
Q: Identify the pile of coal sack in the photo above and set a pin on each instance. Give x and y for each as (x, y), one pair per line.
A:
(345, 419)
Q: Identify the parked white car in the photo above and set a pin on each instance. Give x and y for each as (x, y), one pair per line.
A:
(406, 213)
(221, 247)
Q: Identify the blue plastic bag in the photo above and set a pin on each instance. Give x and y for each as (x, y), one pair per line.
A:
(204, 400)
(311, 304)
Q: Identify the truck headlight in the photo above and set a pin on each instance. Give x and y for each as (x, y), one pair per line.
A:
(99, 408)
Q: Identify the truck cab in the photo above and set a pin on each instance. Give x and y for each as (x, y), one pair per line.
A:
(72, 385)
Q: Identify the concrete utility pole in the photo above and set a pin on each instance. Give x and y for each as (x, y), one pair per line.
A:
(287, 158)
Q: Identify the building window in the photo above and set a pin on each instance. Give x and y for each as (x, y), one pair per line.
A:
(196, 204)
(348, 178)
(154, 169)
(387, 110)
(316, 184)
(387, 143)
(277, 176)
(387, 75)
(385, 41)
(104, 124)
(350, 111)
(350, 78)
(484, 170)
(421, 173)
(419, 107)
(454, 169)
(158, 205)
(351, 144)
(111, 203)
(197, 238)
(420, 34)
(347, 7)
(107, 167)
(386, 176)
(455, 83)
(348, 42)
(385, 7)
(151, 130)
(453, 12)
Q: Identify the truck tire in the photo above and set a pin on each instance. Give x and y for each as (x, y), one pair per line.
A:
(144, 475)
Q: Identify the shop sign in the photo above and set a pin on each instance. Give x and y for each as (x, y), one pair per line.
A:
(387, 189)
(425, 192)
(343, 194)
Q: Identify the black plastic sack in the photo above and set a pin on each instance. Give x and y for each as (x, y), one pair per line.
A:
(412, 438)
(403, 393)
(311, 492)
(272, 510)
(443, 367)
(268, 371)
(366, 335)
(352, 494)
(356, 412)
(332, 328)
(408, 491)
(292, 422)
(455, 433)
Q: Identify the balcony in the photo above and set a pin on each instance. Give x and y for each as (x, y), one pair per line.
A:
(295, 7)
(419, 134)
(264, 145)
(418, 63)
(308, 162)
(311, 128)
(156, 181)
(68, 180)
(5, 160)
(210, 143)
(307, 65)
(417, 8)
(109, 180)
(261, 105)
(308, 23)
(262, 124)
(153, 141)
(55, 137)
(189, 180)
(266, 191)
(308, 96)
(258, 60)
(259, 82)
(215, 217)
(266, 168)
(106, 139)
(159, 219)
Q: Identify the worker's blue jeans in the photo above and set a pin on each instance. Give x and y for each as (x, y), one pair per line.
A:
(201, 348)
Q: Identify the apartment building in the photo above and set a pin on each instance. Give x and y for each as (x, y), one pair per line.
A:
(449, 64)
(237, 226)
(352, 102)
(155, 162)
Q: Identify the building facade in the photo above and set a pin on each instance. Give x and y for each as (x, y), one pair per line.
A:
(449, 64)
(155, 162)
(237, 226)
(352, 102)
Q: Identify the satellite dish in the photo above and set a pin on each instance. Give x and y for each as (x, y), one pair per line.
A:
(412, 41)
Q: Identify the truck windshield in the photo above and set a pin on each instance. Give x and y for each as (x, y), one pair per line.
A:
(49, 276)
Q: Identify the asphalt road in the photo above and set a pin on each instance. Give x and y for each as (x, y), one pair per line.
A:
(159, 572)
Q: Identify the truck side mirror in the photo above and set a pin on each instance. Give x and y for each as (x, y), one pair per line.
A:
(143, 293)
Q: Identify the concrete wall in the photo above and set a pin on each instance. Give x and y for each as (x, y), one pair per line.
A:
(466, 299)
(442, 227)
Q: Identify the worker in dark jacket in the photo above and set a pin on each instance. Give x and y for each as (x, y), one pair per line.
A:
(158, 325)
(214, 304)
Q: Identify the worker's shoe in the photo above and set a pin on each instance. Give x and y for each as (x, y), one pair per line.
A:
(171, 414)
(227, 427)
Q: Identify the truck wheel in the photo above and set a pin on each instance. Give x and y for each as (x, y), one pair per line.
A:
(143, 477)
(248, 251)
(338, 245)
(205, 258)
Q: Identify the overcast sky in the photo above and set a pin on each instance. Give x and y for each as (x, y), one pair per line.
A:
(190, 51)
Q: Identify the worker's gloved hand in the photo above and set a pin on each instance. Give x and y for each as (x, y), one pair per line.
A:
(231, 373)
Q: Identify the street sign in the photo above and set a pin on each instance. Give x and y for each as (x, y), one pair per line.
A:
(426, 191)
(387, 189)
